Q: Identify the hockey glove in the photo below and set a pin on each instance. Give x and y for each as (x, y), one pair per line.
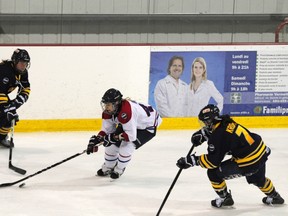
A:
(20, 100)
(10, 112)
(186, 162)
(92, 145)
(200, 136)
(110, 139)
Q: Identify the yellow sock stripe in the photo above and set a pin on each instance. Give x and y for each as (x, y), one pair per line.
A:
(268, 187)
(219, 186)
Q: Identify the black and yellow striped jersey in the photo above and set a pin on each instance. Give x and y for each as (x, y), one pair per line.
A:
(9, 80)
(229, 137)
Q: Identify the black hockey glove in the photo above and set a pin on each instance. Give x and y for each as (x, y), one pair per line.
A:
(110, 139)
(186, 162)
(20, 100)
(93, 144)
(200, 136)
(10, 112)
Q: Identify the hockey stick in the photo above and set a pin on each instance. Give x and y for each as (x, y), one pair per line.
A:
(172, 185)
(43, 170)
(14, 168)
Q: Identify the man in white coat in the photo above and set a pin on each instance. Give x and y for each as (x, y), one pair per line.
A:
(171, 93)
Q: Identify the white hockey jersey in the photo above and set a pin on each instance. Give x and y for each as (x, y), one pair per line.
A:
(132, 116)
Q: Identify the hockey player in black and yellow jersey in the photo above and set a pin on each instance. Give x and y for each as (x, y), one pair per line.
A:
(248, 156)
(13, 74)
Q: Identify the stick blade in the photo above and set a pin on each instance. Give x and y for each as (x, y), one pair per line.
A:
(17, 169)
(6, 184)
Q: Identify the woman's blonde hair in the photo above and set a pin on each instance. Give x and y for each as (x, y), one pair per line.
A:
(204, 75)
(203, 63)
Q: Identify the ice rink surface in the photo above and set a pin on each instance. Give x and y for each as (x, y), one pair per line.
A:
(72, 188)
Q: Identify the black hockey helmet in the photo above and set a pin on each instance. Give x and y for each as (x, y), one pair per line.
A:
(111, 101)
(209, 115)
(20, 55)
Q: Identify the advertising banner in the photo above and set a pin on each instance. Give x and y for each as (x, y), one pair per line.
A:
(241, 81)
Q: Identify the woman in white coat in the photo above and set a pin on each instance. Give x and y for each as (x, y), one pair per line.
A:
(170, 93)
(200, 89)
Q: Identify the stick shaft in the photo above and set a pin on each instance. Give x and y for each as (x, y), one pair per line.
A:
(10, 165)
(43, 170)
(172, 185)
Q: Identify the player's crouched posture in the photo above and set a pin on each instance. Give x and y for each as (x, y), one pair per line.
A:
(248, 156)
(126, 126)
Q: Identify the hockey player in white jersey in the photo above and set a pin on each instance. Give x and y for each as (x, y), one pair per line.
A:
(126, 126)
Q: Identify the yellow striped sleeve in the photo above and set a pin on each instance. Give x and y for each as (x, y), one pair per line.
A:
(205, 163)
(26, 91)
(3, 98)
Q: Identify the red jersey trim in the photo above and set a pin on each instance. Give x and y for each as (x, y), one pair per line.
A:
(125, 113)
(125, 136)
(102, 133)
(106, 116)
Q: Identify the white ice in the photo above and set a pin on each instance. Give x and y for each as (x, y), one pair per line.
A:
(72, 188)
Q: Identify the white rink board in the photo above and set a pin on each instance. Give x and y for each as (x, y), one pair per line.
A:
(67, 82)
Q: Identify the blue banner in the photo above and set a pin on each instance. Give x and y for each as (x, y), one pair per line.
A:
(241, 83)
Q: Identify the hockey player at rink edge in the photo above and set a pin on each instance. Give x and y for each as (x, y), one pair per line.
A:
(248, 153)
(13, 74)
(126, 126)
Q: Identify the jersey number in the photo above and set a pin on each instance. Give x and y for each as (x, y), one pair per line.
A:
(242, 131)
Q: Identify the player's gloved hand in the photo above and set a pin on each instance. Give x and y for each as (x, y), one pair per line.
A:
(92, 145)
(20, 100)
(186, 162)
(109, 140)
(10, 112)
(200, 136)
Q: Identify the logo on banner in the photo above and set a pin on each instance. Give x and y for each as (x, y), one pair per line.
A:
(257, 109)
(235, 97)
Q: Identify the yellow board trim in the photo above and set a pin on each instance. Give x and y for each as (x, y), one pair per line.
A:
(51, 125)
(167, 124)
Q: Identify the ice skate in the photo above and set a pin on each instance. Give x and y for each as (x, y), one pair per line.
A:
(223, 201)
(275, 198)
(116, 173)
(104, 171)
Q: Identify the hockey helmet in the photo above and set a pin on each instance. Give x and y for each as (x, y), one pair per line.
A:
(111, 101)
(209, 115)
(20, 55)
